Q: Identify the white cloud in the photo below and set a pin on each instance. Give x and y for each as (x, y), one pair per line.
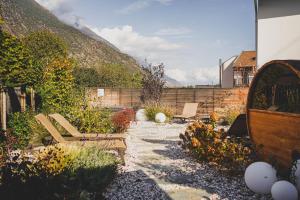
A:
(173, 31)
(135, 44)
(60, 7)
(140, 5)
(63, 10)
(195, 76)
(177, 74)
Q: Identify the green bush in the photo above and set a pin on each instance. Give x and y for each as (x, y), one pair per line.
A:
(58, 172)
(153, 108)
(20, 125)
(89, 120)
(26, 130)
(93, 169)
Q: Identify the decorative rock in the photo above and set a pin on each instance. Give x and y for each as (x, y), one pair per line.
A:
(259, 177)
(160, 117)
(141, 115)
(283, 190)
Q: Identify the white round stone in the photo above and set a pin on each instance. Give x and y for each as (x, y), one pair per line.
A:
(259, 177)
(297, 175)
(141, 115)
(283, 190)
(160, 117)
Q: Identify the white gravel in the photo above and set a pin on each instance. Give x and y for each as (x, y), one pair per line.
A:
(157, 168)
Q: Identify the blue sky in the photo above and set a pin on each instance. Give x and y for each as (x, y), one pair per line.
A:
(188, 36)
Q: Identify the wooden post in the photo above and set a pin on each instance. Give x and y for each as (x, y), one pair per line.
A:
(23, 101)
(131, 103)
(3, 110)
(32, 99)
(194, 95)
(120, 96)
(176, 100)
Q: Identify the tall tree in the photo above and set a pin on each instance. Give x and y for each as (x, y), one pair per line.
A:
(57, 87)
(15, 61)
(44, 46)
(153, 82)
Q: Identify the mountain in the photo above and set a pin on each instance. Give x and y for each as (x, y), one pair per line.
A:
(87, 31)
(172, 82)
(90, 50)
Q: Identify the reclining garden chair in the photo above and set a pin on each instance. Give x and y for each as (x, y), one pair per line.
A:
(112, 144)
(189, 111)
(75, 133)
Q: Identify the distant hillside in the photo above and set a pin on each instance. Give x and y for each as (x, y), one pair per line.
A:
(24, 16)
(172, 82)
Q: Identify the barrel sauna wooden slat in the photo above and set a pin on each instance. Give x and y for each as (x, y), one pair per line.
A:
(278, 132)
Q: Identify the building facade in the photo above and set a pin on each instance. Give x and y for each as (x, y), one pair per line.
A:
(238, 71)
(278, 30)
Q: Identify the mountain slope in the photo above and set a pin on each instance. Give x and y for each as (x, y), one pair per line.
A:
(24, 16)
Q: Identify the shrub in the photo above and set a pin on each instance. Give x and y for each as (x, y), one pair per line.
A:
(153, 108)
(130, 113)
(230, 113)
(19, 123)
(89, 120)
(26, 130)
(92, 169)
(214, 147)
(121, 121)
(57, 172)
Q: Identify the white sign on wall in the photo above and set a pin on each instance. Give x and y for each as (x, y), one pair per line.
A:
(100, 92)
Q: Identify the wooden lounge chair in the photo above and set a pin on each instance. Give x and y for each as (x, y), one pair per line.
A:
(75, 133)
(117, 145)
(189, 111)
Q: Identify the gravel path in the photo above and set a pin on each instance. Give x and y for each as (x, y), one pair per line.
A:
(157, 168)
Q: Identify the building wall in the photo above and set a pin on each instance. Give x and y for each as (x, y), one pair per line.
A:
(227, 73)
(278, 34)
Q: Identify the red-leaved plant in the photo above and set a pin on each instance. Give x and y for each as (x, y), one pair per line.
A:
(130, 113)
(121, 121)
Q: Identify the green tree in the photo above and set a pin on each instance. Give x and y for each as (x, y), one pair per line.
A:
(44, 46)
(114, 75)
(57, 88)
(15, 62)
(86, 77)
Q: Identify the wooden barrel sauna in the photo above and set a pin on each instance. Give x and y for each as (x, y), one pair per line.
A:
(273, 111)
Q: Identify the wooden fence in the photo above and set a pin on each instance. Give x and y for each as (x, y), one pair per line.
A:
(11, 100)
(209, 99)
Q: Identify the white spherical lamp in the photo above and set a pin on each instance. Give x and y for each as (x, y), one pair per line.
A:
(282, 190)
(297, 175)
(160, 117)
(141, 115)
(259, 177)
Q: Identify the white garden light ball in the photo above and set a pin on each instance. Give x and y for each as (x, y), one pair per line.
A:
(141, 115)
(297, 175)
(283, 190)
(160, 117)
(259, 177)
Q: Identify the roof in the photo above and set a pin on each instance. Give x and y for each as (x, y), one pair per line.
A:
(246, 59)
